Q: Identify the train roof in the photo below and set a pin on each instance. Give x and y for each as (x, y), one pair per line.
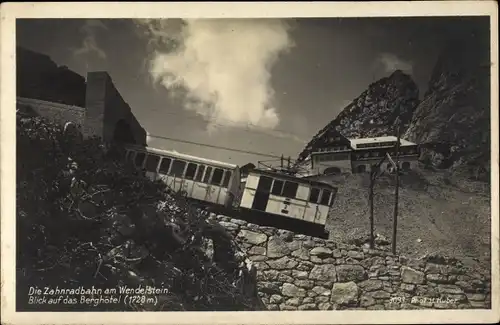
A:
(176, 154)
(292, 178)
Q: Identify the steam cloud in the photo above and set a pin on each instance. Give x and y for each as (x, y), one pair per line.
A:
(222, 65)
(391, 62)
(89, 44)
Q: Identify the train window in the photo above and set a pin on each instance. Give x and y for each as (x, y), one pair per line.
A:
(227, 177)
(277, 187)
(139, 159)
(177, 169)
(325, 198)
(314, 196)
(207, 175)
(199, 174)
(217, 177)
(290, 189)
(152, 163)
(190, 171)
(165, 165)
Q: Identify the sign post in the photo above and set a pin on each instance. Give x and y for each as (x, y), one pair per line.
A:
(396, 195)
(374, 173)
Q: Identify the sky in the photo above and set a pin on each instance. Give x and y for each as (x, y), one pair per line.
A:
(261, 85)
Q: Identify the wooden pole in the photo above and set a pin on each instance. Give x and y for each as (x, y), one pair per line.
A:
(373, 176)
(396, 194)
(372, 183)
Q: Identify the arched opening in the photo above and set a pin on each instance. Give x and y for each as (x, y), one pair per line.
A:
(123, 133)
(332, 171)
(361, 169)
(406, 166)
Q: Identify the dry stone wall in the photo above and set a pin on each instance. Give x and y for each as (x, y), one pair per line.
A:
(298, 272)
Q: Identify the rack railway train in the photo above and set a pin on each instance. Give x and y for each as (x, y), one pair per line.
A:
(261, 196)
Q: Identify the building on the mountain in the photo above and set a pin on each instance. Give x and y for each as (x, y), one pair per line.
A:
(332, 155)
(337, 154)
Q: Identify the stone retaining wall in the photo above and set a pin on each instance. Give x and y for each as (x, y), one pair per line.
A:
(298, 272)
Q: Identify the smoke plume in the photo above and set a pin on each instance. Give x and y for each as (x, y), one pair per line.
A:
(222, 66)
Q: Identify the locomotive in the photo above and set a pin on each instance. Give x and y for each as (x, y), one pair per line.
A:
(257, 195)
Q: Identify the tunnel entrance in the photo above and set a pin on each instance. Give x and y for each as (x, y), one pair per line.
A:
(123, 133)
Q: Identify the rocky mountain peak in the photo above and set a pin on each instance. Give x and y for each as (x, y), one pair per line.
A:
(375, 112)
(452, 123)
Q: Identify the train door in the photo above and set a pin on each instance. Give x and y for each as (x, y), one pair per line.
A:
(199, 188)
(218, 192)
(248, 190)
(177, 173)
(262, 193)
(188, 185)
(312, 209)
(151, 166)
(234, 189)
(299, 205)
(164, 169)
(206, 185)
(323, 207)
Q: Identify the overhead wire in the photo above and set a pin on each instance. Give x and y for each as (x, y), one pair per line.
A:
(216, 147)
(247, 128)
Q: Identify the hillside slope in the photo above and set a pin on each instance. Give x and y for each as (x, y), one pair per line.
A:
(39, 77)
(437, 213)
(374, 112)
(86, 219)
(452, 123)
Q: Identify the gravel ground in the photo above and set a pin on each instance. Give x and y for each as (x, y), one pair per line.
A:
(435, 215)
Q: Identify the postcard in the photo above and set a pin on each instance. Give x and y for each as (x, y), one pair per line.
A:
(249, 163)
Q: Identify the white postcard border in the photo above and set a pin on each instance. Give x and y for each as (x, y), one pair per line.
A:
(10, 11)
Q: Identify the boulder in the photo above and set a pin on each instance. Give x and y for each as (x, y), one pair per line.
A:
(412, 276)
(283, 263)
(321, 252)
(325, 272)
(350, 272)
(276, 247)
(371, 285)
(345, 293)
(291, 290)
(252, 237)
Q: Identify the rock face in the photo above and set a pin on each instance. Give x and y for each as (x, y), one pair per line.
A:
(452, 123)
(374, 112)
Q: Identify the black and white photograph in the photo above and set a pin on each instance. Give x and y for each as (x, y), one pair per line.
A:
(292, 165)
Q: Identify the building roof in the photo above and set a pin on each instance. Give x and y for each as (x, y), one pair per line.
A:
(176, 154)
(356, 142)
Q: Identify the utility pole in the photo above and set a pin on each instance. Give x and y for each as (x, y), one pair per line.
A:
(396, 193)
(372, 184)
(374, 173)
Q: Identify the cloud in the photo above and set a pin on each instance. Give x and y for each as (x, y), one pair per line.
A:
(222, 66)
(391, 62)
(89, 43)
